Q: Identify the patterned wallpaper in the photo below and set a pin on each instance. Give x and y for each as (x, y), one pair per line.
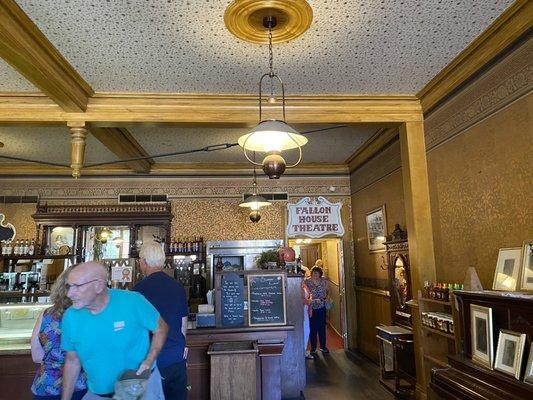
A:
(480, 172)
(201, 207)
(388, 191)
(20, 216)
(481, 197)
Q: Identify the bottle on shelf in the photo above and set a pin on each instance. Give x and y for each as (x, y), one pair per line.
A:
(180, 246)
(31, 248)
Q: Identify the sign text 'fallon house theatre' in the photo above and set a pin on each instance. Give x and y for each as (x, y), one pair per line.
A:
(314, 218)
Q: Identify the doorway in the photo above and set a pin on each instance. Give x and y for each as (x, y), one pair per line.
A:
(330, 251)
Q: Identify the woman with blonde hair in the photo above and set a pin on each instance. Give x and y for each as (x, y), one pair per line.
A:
(46, 347)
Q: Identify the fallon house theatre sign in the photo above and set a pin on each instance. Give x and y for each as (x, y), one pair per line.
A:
(314, 218)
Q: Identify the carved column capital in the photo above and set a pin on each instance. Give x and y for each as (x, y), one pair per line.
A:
(78, 135)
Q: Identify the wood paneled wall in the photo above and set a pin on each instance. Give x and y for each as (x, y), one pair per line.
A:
(373, 308)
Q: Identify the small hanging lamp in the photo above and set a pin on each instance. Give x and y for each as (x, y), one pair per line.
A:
(254, 202)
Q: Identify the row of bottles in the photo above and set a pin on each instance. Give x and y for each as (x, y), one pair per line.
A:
(186, 245)
(440, 291)
(21, 247)
(440, 321)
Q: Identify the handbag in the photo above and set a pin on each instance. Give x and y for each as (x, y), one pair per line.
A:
(328, 303)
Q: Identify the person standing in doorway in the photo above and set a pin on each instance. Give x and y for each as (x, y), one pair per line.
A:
(106, 331)
(168, 297)
(318, 287)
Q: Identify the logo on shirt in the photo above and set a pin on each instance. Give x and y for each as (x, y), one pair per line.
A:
(119, 325)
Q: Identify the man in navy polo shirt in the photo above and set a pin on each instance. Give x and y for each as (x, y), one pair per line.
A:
(168, 297)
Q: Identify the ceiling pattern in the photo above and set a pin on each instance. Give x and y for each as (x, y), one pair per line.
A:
(53, 143)
(49, 143)
(12, 81)
(356, 47)
(157, 140)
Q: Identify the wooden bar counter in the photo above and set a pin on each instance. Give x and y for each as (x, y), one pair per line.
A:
(270, 342)
(17, 369)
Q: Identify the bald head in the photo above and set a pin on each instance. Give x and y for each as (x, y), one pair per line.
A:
(90, 270)
(87, 284)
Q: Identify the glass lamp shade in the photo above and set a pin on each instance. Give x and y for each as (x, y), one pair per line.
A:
(255, 202)
(272, 135)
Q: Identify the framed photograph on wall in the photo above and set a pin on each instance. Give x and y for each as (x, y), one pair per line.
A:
(526, 272)
(481, 335)
(528, 376)
(376, 229)
(510, 352)
(507, 269)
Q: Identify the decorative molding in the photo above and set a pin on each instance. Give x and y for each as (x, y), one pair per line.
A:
(107, 208)
(508, 80)
(107, 188)
(371, 283)
(244, 19)
(115, 109)
(371, 147)
(25, 47)
(122, 143)
(502, 33)
(384, 163)
(174, 169)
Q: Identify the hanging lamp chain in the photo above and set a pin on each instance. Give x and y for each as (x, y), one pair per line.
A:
(270, 53)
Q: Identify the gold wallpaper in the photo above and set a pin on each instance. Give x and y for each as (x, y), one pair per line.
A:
(20, 216)
(215, 219)
(480, 172)
(388, 191)
(481, 193)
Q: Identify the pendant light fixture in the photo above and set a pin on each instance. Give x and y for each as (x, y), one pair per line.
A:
(254, 202)
(272, 136)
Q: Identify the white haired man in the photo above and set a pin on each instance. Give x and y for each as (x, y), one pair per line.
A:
(168, 297)
(106, 331)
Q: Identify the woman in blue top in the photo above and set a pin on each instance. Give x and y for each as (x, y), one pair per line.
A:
(318, 287)
(46, 349)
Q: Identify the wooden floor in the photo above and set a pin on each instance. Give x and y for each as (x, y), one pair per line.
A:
(339, 376)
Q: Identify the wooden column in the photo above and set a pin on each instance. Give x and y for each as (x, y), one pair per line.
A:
(419, 227)
(78, 133)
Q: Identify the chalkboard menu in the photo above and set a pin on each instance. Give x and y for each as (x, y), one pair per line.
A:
(266, 300)
(232, 300)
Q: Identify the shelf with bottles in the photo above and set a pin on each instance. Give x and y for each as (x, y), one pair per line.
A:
(436, 292)
(439, 329)
(19, 247)
(186, 246)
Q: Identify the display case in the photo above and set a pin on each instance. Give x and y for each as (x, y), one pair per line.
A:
(16, 324)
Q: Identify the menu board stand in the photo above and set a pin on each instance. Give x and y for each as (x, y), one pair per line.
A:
(264, 298)
(232, 300)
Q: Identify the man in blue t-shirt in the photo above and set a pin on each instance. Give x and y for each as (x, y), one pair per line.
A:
(106, 331)
(168, 297)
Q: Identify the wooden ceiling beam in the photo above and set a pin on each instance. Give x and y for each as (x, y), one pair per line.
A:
(122, 143)
(502, 33)
(27, 50)
(371, 147)
(115, 109)
(162, 169)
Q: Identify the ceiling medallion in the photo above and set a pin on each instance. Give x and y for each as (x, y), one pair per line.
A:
(244, 19)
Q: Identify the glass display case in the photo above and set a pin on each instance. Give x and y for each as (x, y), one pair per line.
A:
(17, 322)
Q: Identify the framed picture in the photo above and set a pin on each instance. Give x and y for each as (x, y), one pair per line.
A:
(528, 377)
(376, 229)
(510, 352)
(507, 269)
(526, 272)
(481, 335)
